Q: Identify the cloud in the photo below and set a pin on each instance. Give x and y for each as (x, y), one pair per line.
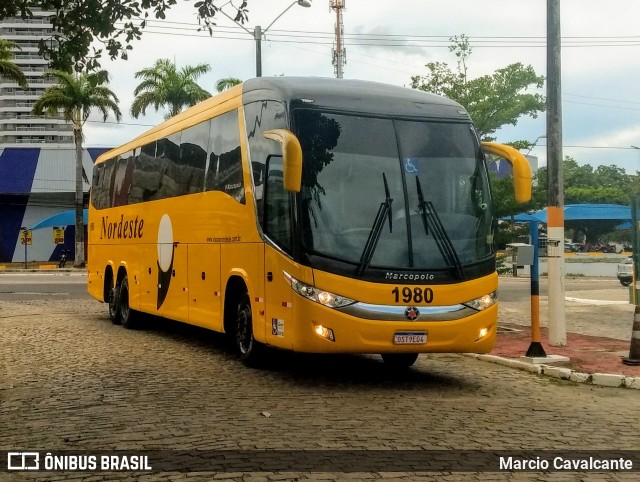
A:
(598, 59)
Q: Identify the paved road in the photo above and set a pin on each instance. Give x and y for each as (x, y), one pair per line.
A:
(28, 286)
(519, 289)
(71, 380)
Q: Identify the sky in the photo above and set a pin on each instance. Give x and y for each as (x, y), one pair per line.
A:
(391, 41)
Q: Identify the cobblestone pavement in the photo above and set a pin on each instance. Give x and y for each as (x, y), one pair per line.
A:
(71, 380)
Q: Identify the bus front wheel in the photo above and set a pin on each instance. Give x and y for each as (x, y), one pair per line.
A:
(248, 348)
(399, 360)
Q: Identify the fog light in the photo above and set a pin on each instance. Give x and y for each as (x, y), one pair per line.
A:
(324, 332)
(482, 333)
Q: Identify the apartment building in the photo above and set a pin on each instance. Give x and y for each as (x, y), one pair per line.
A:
(18, 127)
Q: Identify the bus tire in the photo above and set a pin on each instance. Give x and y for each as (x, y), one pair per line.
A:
(128, 317)
(114, 312)
(249, 350)
(399, 360)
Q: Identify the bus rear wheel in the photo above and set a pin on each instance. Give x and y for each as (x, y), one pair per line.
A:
(249, 349)
(399, 360)
(128, 317)
(114, 312)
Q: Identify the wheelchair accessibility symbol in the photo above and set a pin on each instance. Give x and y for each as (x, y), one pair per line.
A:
(409, 166)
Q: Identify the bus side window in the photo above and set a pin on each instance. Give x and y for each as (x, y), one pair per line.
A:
(97, 187)
(146, 176)
(224, 172)
(259, 117)
(168, 163)
(122, 180)
(193, 158)
(277, 205)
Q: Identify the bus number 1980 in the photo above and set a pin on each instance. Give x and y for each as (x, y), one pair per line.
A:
(415, 295)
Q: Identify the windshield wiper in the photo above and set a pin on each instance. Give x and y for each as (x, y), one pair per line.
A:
(376, 230)
(431, 220)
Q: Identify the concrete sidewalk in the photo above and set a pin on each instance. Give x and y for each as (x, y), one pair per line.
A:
(599, 323)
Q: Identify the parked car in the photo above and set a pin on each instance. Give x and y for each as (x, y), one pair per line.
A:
(572, 247)
(625, 271)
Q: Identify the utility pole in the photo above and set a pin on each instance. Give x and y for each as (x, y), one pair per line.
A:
(555, 207)
(339, 52)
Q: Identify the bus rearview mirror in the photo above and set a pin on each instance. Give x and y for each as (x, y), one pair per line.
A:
(520, 165)
(291, 157)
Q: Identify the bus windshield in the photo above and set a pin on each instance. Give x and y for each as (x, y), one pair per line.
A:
(389, 193)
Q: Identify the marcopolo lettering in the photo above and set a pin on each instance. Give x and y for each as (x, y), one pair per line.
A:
(122, 228)
(409, 276)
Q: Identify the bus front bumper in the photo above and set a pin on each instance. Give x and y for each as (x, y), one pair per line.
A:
(324, 330)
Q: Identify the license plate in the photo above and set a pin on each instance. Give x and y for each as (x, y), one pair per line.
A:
(410, 338)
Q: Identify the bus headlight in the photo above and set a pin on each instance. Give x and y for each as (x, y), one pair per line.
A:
(483, 302)
(325, 298)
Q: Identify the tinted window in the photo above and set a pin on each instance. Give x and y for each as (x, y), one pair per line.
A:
(193, 158)
(260, 117)
(277, 205)
(146, 177)
(224, 172)
(122, 176)
(206, 155)
(167, 158)
(99, 192)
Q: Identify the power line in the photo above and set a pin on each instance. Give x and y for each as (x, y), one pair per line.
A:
(386, 40)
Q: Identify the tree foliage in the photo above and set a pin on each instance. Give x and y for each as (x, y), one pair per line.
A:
(163, 85)
(492, 100)
(76, 96)
(226, 83)
(582, 184)
(8, 67)
(85, 29)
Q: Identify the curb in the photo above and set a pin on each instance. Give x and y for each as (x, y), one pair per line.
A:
(55, 270)
(598, 379)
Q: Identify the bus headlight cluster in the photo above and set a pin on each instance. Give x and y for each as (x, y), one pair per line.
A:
(325, 298)
(483, 302)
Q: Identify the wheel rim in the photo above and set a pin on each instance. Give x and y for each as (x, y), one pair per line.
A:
(112, 303)
(124, 302)
(244, 334)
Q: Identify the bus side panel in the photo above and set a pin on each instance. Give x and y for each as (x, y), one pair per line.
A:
(95, 273)
(246, 260)
(205, 295)
(148, 277)
(173, 286)
(281, 323)
(278, 293)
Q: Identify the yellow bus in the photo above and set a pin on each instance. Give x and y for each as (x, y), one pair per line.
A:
(306, 214)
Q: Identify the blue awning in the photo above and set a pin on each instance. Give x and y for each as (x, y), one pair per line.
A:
(581, 212)
(64, 218)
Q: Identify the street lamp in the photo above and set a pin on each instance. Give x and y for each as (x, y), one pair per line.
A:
(535, 143)
(258, 32)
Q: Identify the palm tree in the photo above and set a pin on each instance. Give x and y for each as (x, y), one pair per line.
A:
(76, 96)
(8, 68)
(227, 83)
(163, 85)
